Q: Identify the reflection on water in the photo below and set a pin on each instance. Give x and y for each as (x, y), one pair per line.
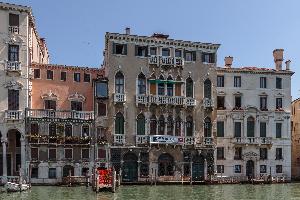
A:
(228, 192)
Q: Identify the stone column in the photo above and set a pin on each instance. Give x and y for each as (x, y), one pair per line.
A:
(23, 154)
(4, 141)
(205, 169)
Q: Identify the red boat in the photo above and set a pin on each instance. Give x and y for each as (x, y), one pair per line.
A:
(106, 179)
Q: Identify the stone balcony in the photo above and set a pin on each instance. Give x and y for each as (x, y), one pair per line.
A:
(58, 139)
(119, 98)
(208, 103)
(166, 61)
(13, 115)
(13, 66)
(119, 139)
(13, 29)
(61, 114)
(165, 100)
(252, 140)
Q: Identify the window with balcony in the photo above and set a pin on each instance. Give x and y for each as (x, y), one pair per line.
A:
(220, 169)
(119, 124)
(237, 102)
(207, 89)
(13, 52)
(52, 154)
(68, 153)
(85, 153)
(237, 169)
(263, 129)
(190, 56)
(153, 125)
(220, 129)
(238, 153)
(119, 49)
(278, 83)
(52, 173)
(85, 131)
(50, 104)
(189, 87)
(101, 109)
(263, 103)
(178, 87)
(165, 52)
(170, 125)
(263, 153)
(278, 155)
(13, 100)
(221, 102)
(102, 89)
(237, 81)
(76, 105)
(278, 103)
(220, 81)
(263, 82)
(250, 127)
(161, 125)
(189, 126)
(63, 76)
(68, 130)
(278, 169)
(13, 20)
(207, 127)
(49, 75)
(119, 83)
(153, 51)
(170, 86)
(141, 51)
(278, 130)
(220, 153)
(178, 53)
(178, 126)
(86, 78)
(208, 57)
(76, 76)
(36, 73)
(161, 86)
(237, 129)
(140, 124)
(141, 84)
(263, 169)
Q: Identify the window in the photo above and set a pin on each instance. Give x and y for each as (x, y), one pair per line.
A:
(161, 125)
(85, 131)
(220, 102)
(220, 168)
(13, 19)
(263, 104)
(220, 153)
(52, 154)
(237, 169)
(85, 153)
(34, 128)
(238, 153)
(165, 52)
(63, 76)
(220, 129)
(68, 153)
(278, 155)
(153, 125)
(250, 127)
(278, 83)
(76, 105)
(153, 51)
(141, 84)
(220, 81)
(101, 154)
(34, 153)
(237, 81)
(52, 173)
(238, 102)
(263, 169)
(278, 103)
(101, 109)
(119, 83)
(140, 124)
(52, 132)
(170, 125)
(141, 51)
(120, 49)
(263, 129)
(49, 74)
(207, 127)
(50, 104)
(178, 126)
(237, 129)
(68, 130)
(119, 124)
(13, 100)
(86, 78)
(189, 126)
(190, 56)
(263, 153)
(207, 89)
(278, 168)
(278, 130)
(161, 86)
(263, 82)
(189, 87)
(76, 77)
(208, 57)
(102, 89)
(13, 52)
(37, 73)
(35, 172)
(178, 53)
(170, 87)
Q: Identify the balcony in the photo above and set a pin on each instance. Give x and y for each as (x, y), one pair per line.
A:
(13, 29)
(119, 139)
(208, 103)
(166, 61)
(13, 115)
(164, 139)
(13, 66)
(252, 140)
(119, 98)
(189, 101)
(165, 100)
(208, 141)
(57, 139)
(60, 114)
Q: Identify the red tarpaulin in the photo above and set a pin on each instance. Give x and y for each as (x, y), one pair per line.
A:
(105, 176)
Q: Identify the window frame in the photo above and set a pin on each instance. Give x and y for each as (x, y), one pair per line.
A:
(61, 76)
(237, 81)
(77, 75)
(88, 150)
(49, 74)
(39, 73)
(86, 76)
(71, 149)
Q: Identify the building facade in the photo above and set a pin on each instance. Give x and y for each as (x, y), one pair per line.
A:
(295, 139)
(253, 120)
(20, 45)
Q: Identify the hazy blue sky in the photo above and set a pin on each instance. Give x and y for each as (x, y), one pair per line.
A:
(246, 30)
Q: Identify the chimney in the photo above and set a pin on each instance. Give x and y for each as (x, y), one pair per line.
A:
(228, 61)
(287, 64)
(127, 31)
(278, 58)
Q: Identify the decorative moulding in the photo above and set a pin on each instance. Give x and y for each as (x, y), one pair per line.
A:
(49, 96)
(13, 85)
(76, 97)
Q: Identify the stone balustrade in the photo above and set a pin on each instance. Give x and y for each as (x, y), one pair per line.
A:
(13, 115)
(13, 66)
(13, 29)
(252, 140)
(61, 114)
(165, 100)
(119, 98)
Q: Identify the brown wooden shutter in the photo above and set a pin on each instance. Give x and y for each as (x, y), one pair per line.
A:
(153, 88)
(178, 89)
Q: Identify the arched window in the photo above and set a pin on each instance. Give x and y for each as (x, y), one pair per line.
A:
(152, 81)
(178, 86)
(170, 86)
(189, 126)
(170, 125)
(178, 126)
(250, 127)
(207, 127)
(207, 88)
(161, 86)
(189, 87)
(141, 84)
(85, 130)
(68, 130)
(119, 124)
(119, 84)
(153, 125)
(161, 125)
(140, 127)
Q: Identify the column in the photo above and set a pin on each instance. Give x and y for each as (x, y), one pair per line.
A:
(23, 160)
(4, 160)
(205, 169)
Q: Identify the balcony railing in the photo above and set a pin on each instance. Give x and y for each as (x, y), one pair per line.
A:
(119, 98)
(162, 100)
(165, 61)
(189, 101)
(119, 139)
(164, 139)
(13, 66)
(208, 103)
(58, 139)
(252, 140)
(13, 29)
(61, 114)
(208, 141)
(13, 115)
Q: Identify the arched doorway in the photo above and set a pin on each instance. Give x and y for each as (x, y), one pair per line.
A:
(250, 169)
(165, 165)
(68, 170)
(13, 152)
(198, 168)
(130, 168)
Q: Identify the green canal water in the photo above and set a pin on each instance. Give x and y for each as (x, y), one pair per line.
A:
(226, 192)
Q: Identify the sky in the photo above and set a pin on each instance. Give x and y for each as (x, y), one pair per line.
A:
(248, 30)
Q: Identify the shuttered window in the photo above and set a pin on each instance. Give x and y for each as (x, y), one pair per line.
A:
(250, 127)
(220, 129)
(278, 130)
(237, 129)
(13, 52)
(13, 100)
(13, 20)
(263, 129)
(140, 124)
(52, 154)
(101, 109)
(119, 124)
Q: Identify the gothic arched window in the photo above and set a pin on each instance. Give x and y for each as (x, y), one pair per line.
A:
(119, 83)
(140, 124)
(119, 124)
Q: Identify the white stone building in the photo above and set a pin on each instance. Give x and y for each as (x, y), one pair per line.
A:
(253, 120)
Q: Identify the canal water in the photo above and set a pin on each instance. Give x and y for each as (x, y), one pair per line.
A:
(226, 192)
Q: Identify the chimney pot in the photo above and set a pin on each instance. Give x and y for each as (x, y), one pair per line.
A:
(278, 58)
(228, 61)
(127, 31)
(287, 64)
